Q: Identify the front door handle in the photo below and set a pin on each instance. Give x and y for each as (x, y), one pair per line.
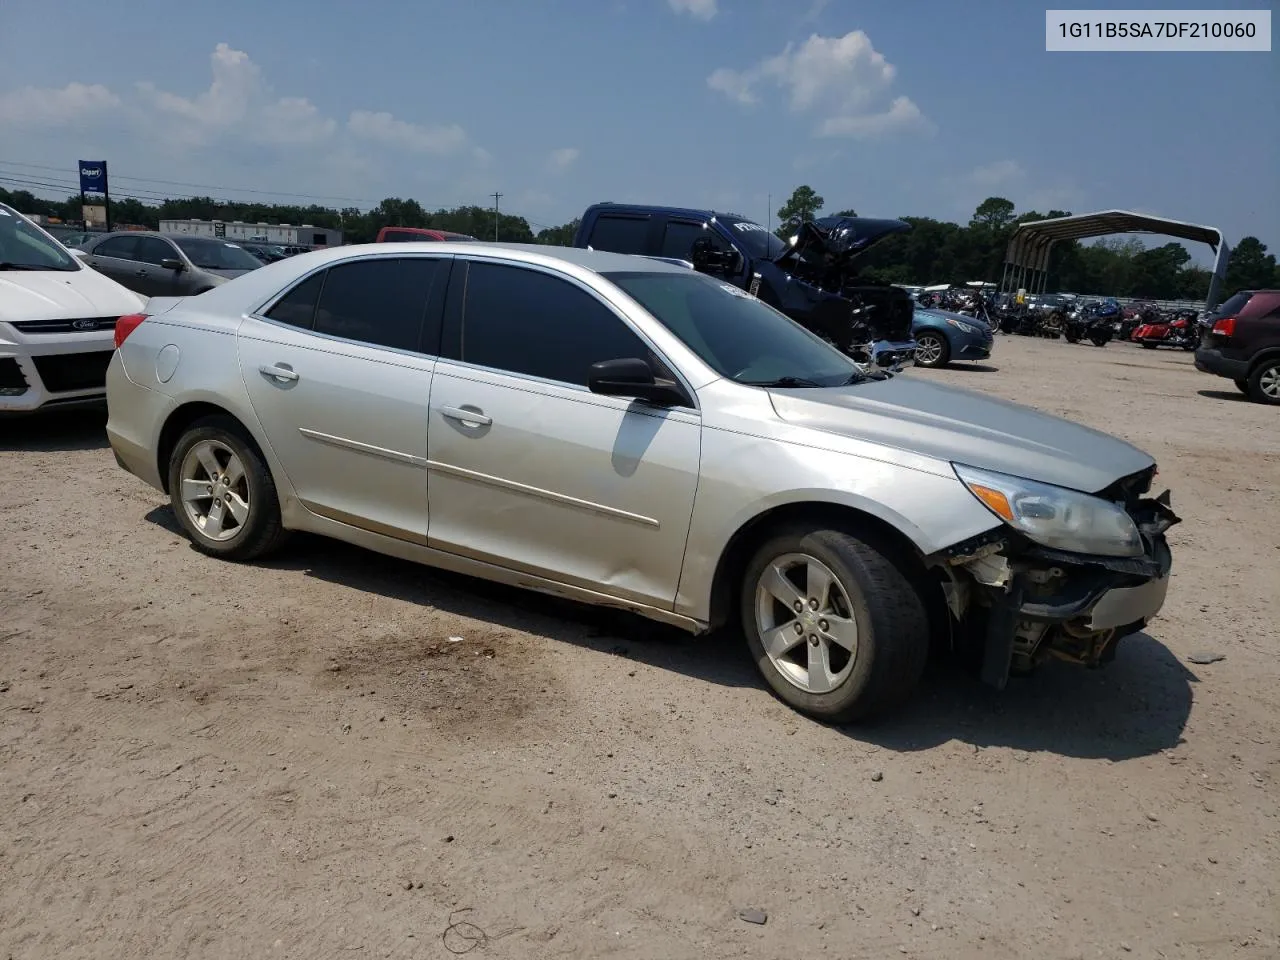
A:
(472, 418)
(278, 372)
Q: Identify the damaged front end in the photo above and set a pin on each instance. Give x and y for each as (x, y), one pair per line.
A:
(814, 281)
(1019, 602)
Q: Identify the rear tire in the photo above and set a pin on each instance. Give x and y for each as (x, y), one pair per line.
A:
(1147, 345)
(222, 491)
(1264, 382)
(863, 635)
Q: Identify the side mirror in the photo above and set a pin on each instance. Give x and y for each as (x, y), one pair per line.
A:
(708, 258)
(632, 377)
(171, 263)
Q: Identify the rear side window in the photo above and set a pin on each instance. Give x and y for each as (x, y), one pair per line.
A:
(1232, 306)
(297, 308)
(121, 248)
(381, 302)
(530, 323)
(618, 234)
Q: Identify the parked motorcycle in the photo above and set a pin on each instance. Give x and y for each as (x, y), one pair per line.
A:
(1095, 323)
(1178, 330)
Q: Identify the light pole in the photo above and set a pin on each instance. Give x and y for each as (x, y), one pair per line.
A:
(496, 197)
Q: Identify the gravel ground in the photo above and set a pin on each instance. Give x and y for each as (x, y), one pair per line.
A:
(295, 759)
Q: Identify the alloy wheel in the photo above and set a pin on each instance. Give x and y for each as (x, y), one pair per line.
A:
(1269, 383)
(928, 350)
(215, 490)
(805, 622)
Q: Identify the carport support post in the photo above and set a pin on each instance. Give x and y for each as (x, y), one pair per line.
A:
(1219, 275)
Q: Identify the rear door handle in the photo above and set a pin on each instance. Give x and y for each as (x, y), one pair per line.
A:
(278, 372)
(469, 417)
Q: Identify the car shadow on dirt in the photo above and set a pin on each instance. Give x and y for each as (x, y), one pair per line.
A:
(1234, 396)
(79, 428)
(1136, 706)
(973, 367)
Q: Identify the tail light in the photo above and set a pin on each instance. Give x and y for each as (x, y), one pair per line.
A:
(1226, 327)
(126, 325)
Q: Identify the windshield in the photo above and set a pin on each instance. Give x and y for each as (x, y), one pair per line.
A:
(217, 254)
(760, 243)
(24, 246)
(734, 333)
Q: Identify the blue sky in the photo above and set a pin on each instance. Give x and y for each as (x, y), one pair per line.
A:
(907, 107)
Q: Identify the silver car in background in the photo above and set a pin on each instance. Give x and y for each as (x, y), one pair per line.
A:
(627, 432)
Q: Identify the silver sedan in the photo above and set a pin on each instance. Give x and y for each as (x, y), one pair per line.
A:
(631, 433)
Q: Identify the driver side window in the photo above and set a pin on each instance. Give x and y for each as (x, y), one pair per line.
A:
(531, 323)
(679, 236)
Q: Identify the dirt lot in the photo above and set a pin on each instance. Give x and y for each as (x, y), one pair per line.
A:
(204, 760)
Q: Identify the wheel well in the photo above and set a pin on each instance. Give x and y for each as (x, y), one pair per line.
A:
(744, 543)
(177, 425)
(1262, 356)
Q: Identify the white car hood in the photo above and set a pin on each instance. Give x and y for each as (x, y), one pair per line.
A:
(58, 294)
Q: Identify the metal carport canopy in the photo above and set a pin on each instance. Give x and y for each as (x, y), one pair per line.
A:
(1028, 251)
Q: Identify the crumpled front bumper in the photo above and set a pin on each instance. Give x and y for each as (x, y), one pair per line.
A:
(1025, 602)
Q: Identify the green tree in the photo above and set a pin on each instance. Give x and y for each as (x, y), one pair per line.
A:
(1249, 267)
(993, 213)
(847, 213)
(561, 236)
(803, 205)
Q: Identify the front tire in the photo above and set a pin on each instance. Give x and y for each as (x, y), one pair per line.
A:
(1264, 382)
(932, 350)
(836, 628)
(222, 491)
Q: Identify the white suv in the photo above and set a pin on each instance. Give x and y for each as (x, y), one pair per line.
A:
(57, 320)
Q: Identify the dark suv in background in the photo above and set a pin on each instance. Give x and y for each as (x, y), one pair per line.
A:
(812, 277)
(1242, 343)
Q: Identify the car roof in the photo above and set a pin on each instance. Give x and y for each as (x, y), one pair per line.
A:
(692, 212)
(256, 287)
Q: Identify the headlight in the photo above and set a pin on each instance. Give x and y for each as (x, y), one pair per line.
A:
(960, 326)
(1054, 516)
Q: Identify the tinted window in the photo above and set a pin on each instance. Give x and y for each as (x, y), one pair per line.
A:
(735, 334)
(153, 250)
(118, 247)
(382, 302)
(677, 240)
(759, 242)
(532, 323)
(298, 307)
(1234, 304)
(620, 234)
(218, 254)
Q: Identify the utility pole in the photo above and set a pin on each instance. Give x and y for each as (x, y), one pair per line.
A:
(496, 197)
(768, 213)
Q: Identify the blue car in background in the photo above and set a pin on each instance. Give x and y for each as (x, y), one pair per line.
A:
(942, 337)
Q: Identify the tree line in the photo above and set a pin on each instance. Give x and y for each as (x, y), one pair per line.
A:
(933, 251)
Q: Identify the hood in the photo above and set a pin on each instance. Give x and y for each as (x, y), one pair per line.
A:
(58, 294)
(841, 238)
(948, 423)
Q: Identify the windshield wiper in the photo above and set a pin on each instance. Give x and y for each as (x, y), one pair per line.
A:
(783, 382)
(5, 265)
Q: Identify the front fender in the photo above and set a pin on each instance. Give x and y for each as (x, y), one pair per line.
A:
(744, 477)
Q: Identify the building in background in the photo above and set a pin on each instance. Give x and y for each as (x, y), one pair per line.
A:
(283, 234)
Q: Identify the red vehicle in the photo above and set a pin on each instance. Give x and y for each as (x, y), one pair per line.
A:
(1180, 330)
(418, 235)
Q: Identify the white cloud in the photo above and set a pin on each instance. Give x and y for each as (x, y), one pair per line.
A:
(563, 158)
(999, 173)
(45, 107)
(384, 128)
(698, 9)
(844, 80)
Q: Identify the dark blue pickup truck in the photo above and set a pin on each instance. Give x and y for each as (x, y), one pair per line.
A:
(811, 277)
